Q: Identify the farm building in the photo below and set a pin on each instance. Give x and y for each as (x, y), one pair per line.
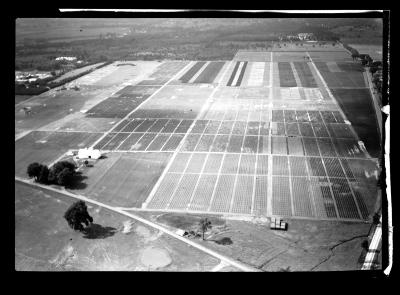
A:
(88, 153)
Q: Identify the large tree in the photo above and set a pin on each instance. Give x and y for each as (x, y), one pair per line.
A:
(205, 225)
(77, 214)
(33, 170)
(59, 167)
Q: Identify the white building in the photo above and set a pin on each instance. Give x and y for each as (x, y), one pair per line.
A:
(88, 153)
(67, 58)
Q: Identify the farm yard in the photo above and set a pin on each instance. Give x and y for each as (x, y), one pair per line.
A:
(267, 134)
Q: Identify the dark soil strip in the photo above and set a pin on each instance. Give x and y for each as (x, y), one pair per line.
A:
(305, 74)
(241, 74)
(286, 76)
(210, 72)
(193, 70)
(233, 74)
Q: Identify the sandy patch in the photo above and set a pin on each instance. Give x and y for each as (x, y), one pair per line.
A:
(154, 258)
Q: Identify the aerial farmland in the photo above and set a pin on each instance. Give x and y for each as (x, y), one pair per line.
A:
(284, 132)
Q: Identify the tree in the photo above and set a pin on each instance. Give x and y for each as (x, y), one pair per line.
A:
(44, 174)
(204, 224)
(65, 177)
(33, 170)
(77, 214)
(58, 168)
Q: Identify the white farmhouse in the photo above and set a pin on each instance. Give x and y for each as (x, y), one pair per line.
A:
(88, 153)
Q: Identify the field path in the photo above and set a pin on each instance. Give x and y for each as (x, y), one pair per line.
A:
(230, 261)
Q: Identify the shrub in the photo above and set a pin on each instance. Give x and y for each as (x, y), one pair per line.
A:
(33, 170)
(77, 214)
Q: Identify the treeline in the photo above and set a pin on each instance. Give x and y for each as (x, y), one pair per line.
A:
(43, 85)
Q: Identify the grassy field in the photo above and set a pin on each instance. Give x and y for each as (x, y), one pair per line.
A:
(44, 242)
(21, 98)
(76, 72)
(375, 51)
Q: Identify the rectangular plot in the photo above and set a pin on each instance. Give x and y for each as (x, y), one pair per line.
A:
(210, 72)
(250, 144)
(121, 125)
(196, 163)
(338, 116)
(226, 127)
(315, 117)
(302, 116)
(286, 76)
(260, 195)
(263, 147)
(306, 129)
(184, 191)
(328, 117)
(183, 127)
(212, 127)
(203, 193)
(252, 127)
(278, 128)
(323, 200)
(298, 166)
(213, 163)
(239, 128)
(280, 165)
(243, 194)
(277, 116)
(104, 141)
(281, 203)
(233, 74)
(346, 206)
(305, 74)
(326, 147)
(361, 205)
(295, 146)
(220, 143)
(333, 168)
(235, 144)
(341, 130)
(132, 125)
(230, 114)
(279, 145)
(145, 125)
(230, 164)
(199, 126)
(310, 146)
(265, 116)
(292, 129)
(190, 143)
(254, 115)
(116, 141)
(223, 193)
(192, 71)
(179, 162)
(143, 142)
(157, 126)
(173, 142)
(315, 166)
(264, 128)
(320, 130)
(256, 74)
(170, 126)
(242, 115)
(290, 116)
(164, 191)
(349, 173)
(239, 81)
(205, 143)
(262, 165)
(130, 141)
(301, 197)
(247, 164)
(348, 148)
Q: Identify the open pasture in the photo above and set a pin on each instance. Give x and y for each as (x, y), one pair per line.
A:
(164, 72)
(253, 56)
(321, 56)
(122, 103)
(350, 76)
(45, 147)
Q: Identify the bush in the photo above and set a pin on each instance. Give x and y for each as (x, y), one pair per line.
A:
(33, 170)
(44, 175)
(65, 177)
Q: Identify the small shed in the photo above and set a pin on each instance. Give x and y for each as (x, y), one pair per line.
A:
(89, 153)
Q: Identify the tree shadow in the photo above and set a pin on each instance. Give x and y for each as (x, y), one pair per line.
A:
(77, 182)
(97, 231)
